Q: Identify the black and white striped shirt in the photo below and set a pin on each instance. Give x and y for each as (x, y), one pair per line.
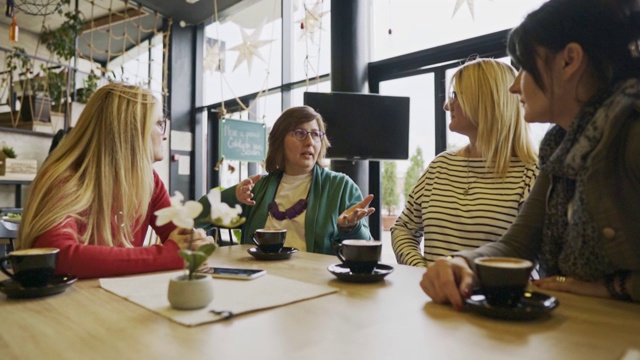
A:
(439, 212)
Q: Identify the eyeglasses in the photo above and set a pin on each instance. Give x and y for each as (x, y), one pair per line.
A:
(301, 134)
(162, 125)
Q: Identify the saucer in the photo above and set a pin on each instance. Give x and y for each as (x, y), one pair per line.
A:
(342, 272)
(284, 254)
(58, 284)
(532, 306)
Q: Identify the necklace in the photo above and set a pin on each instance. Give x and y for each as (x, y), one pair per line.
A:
(290, 213)
(467, 152)
(293, 211)
(466, 190)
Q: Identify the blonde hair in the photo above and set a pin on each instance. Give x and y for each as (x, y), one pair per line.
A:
(482, 89)
(290, 120)
(100, 175)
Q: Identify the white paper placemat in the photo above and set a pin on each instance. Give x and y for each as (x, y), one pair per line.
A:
(236, 296)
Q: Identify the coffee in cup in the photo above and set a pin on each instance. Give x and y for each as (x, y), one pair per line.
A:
(270, 240)
(360, 256)
(31, 267)
(503, 279)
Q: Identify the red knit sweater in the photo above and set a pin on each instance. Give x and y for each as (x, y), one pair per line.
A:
(92, 261)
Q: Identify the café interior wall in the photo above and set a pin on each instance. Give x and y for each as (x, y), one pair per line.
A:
(26, 146)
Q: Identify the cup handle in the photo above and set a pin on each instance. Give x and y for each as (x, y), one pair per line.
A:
(339, 253)
(3, 269)
(253, 238)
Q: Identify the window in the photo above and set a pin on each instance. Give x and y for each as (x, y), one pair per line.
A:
(419, 24)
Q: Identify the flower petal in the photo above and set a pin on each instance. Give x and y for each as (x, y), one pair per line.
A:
(183, 222)
(192, 209)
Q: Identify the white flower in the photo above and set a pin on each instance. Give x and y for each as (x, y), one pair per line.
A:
(181, 215)
(221, 213)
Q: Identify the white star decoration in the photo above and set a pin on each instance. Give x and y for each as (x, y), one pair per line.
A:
(212, 57)
(312, 19)
(469, 4)
(249, 48)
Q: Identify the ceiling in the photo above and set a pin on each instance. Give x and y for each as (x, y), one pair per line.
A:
(196, 13)
(129, 24)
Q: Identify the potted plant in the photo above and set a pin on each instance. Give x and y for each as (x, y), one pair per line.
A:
(34, 104)
(6, 153)
(192, 290)
(90, 86)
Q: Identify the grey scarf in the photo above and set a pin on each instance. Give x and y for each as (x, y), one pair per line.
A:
(571, 243)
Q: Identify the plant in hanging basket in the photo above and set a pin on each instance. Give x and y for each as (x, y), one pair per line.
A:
(62, 41)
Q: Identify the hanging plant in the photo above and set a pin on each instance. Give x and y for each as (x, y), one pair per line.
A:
(19, 59)
(62, 41)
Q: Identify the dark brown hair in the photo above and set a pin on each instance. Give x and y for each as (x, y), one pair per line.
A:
(291, 119)
(603, 28)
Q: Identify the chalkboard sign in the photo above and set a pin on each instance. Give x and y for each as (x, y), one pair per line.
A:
(243, 140)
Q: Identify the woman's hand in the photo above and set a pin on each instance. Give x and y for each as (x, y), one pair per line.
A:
(352, 215)
(243, 190)
(183, 238)
(571, 285)
(448, 281)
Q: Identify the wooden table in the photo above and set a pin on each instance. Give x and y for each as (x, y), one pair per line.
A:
(393, 319)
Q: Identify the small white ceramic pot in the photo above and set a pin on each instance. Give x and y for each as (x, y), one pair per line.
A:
(185, 294)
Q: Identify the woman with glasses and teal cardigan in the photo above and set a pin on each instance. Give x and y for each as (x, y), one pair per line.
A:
(318, 207)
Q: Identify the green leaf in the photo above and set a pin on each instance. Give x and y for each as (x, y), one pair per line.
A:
(207, 249)
(195, 259)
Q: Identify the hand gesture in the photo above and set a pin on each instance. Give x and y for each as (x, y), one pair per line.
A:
(448, 281)
(243, 190)
(352, 215)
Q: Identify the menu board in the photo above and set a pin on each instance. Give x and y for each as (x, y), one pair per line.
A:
(243, 140)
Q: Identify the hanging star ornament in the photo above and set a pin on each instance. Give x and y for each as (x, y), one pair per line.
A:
(469, 4)
(249, 48)
(312, 21)
(212, 58)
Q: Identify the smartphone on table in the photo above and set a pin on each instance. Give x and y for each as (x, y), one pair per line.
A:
(233, 273)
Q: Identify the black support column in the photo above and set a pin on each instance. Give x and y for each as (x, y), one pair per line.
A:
(350, 54)
(184, 46)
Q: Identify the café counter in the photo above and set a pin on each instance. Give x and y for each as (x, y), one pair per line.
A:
(384, 320)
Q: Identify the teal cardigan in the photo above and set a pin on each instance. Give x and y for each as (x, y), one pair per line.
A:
(331, 193)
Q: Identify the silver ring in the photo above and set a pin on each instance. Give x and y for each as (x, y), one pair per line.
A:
(561, 279)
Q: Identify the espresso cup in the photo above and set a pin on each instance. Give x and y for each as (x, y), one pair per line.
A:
(503, 279)
(31, 267)
(270, 240)
(360, 256)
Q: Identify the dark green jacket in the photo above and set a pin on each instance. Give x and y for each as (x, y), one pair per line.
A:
(331, 193)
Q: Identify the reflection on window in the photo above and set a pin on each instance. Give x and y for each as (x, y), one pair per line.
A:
(249, 47)
(420, 89)
(417, 24)
(311, 41)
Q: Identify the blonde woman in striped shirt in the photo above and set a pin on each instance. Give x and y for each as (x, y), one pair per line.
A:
(469, 197)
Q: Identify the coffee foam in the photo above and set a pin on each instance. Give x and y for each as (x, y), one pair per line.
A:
(362, 242)
(271, 230)
(34, 251)
(503, 262)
